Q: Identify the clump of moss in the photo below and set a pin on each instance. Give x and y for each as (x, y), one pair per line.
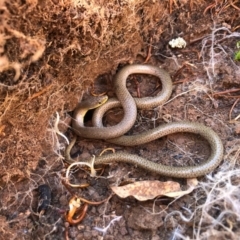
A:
(237, 54)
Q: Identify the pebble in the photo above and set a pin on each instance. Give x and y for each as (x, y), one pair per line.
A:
(87, 235)
(237, 129)
(63, 200)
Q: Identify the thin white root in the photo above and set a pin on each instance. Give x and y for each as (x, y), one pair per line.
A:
(90, 164)
(104, 230)
(57, 130)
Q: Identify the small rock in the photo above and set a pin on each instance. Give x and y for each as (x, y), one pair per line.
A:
(140, 219)
(87, 235)
(209, 122)
(63, 200)
(86, 155)
(237, 129)
(93, 210)
(123, 231)
(155, 237)
(80, 236)
(95, 233)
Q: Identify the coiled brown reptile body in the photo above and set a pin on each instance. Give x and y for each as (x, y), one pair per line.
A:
(128, 103)
(182, 172)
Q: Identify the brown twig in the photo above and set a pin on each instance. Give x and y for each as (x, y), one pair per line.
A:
(179, 71)
(236, 28)
(236, 96)
(2, 129)
(234, 6)
(149, 51)
(181, 81)
(92, 203)
(209, 7)
(35, 95)
(171, 4)
(97, 95)
(197, 39)
(68, 188)
(230, 113)
(223, 8)
(185, 65)
(137, 85)
(214, 5)
(66, 230)
(227, 91)
(191, 5)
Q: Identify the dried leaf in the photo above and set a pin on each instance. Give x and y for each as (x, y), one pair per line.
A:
(192, 183)
(146, 190)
